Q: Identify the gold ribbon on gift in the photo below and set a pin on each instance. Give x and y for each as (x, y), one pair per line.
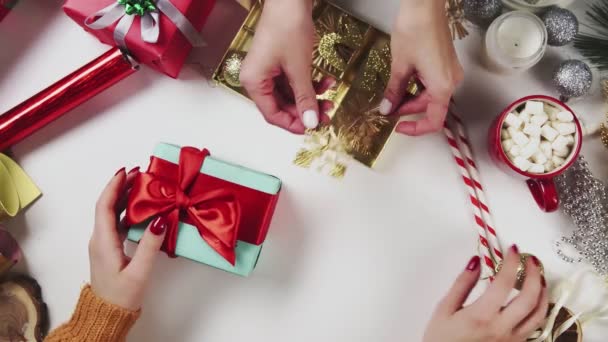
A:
(17, 190)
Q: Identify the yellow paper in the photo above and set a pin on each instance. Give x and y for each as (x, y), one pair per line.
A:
(17, 190)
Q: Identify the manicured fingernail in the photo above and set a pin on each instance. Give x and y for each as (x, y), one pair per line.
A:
(543, 281)
(119, 171)
(310, 119)
(515, 249)
(536, 261)
(158, 226)
(473, 264)
(385, 107)
(133, 170)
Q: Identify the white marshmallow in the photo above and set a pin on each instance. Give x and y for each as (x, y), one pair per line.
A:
(535, 140)
(507, 145)
(536, 168)
(514, 151)
(520, 139)
(539, 157)
(504, 134)
(546, 148)
(563, 153)
(539, 119)
(558, 161)
(548, 132)
(522, 163)
(532, 129)
(529, 150)
(565, 117)
(570, 139)
(513, 120)
(512, 131)
(524, 116)
(549, 166)
(535, 107)
(560, 143)
(551, 111)
(565, 128)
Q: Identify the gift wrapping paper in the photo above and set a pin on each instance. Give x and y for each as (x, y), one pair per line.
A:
(349, 50)
(169, 53)
(257, 196)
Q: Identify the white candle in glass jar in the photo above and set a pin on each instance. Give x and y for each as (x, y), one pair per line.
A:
(515, 41)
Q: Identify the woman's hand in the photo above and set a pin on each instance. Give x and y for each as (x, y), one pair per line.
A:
(422, 46)
(280, 58)
(115, 277)
(490, 318)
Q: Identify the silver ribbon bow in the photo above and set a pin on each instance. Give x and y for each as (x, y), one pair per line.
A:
(150, 30)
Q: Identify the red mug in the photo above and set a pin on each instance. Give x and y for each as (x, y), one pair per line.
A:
(541, 186)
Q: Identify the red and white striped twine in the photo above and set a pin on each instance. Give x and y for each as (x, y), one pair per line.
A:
(490, 251)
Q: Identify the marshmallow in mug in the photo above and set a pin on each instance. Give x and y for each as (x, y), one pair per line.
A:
(539, 137)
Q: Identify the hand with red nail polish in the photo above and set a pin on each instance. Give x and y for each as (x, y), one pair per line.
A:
(491, 318)
(115, 277)
(422, 47)
(277, 72)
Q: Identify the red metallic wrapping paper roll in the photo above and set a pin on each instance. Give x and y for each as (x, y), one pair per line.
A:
(58, 99)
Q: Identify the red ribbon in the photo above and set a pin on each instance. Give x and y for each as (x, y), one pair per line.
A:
(216, 213)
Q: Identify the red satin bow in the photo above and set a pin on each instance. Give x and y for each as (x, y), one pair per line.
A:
(216, 214)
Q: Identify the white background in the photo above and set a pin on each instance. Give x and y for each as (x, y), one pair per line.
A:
(362, 259)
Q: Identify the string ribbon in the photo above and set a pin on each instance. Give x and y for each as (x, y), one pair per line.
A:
(125, 11)
(564, 292)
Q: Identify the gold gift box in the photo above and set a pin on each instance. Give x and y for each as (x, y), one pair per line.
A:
(357, 56)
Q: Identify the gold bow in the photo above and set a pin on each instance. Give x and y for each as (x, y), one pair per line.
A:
(17, 190)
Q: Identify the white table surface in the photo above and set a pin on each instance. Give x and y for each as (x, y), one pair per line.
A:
(362, 259)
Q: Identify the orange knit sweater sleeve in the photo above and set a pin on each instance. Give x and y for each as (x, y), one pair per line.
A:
(95, 320)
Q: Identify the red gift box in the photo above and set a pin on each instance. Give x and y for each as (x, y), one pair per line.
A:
(169, 53)
(5, 7)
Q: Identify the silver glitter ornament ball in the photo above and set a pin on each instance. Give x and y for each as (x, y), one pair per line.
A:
(482, 12)
(572, 78)
(562, 26)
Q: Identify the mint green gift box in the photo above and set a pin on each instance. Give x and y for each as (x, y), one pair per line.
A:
(189, 242)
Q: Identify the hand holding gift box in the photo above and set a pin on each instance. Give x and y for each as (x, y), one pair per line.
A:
(157, 33)
(217, 213)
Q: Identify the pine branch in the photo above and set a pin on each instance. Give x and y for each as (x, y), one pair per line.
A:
(594, 45)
